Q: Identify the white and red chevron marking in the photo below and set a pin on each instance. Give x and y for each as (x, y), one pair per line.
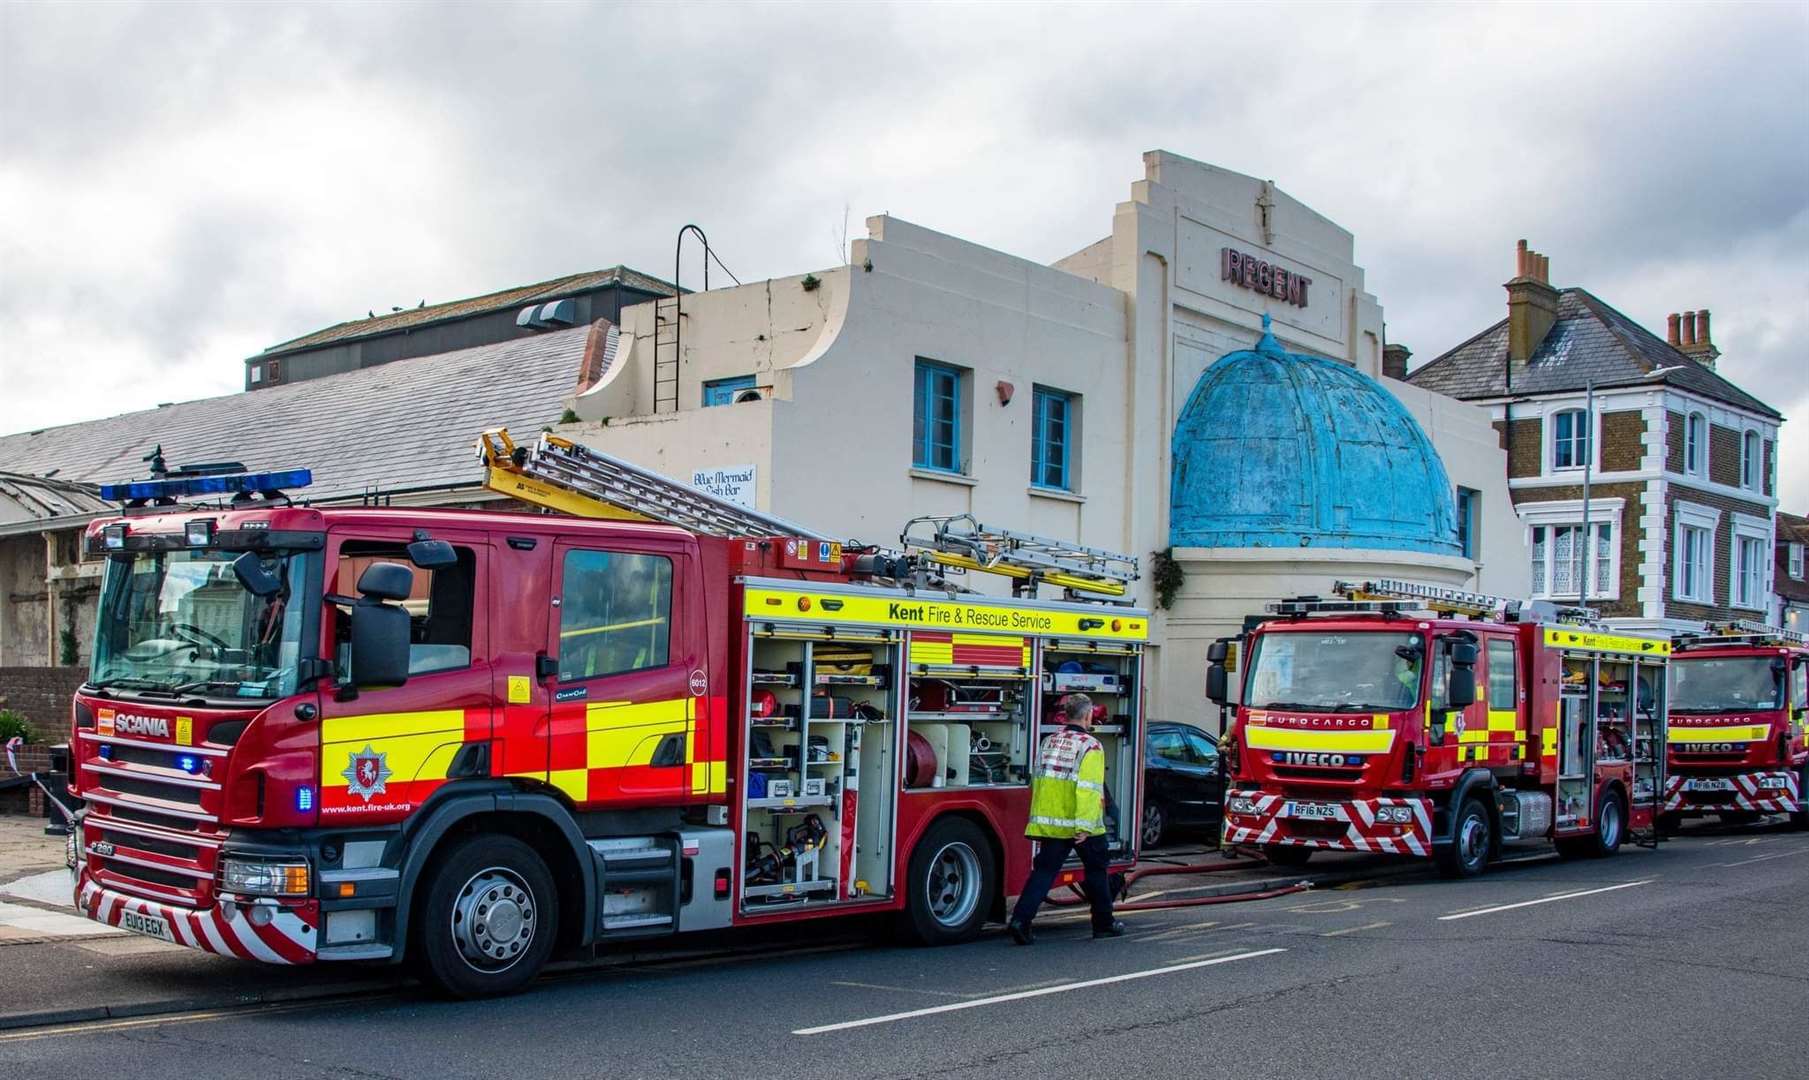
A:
(1362, 831)
(1748, 794)
(289, 938)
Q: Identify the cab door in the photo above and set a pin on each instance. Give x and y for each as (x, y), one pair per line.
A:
(625, 646)
(383, 752)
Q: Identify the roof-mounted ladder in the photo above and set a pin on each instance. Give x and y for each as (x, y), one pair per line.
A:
(962, 543)
(563, 475)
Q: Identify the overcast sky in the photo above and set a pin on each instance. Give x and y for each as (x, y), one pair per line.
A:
(182, 185)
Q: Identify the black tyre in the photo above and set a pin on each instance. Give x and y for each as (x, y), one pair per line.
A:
(485, 918)
(1154, 825)
(1669, 823)
(1286, 855)
(1799, 820)
(951, 884)
(1472, 842)
(1610, 830)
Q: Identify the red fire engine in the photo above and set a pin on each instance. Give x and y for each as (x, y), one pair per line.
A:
(1423, 721)
(1738, 697)
(468, 738)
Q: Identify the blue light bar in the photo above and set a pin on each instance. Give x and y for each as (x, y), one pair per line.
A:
(236, 483)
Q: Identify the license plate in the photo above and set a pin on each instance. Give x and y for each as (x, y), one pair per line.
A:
(1312, 811)
(148, 925)
(1710, 784)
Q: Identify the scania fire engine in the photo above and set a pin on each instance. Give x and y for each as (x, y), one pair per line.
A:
(468, 739)
(1423, 721)
(1739, 692)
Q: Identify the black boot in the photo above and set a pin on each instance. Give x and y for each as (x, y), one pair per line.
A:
(1020, 932)
(1117, 929)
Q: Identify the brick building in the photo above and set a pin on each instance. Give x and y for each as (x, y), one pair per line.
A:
(1790, 575)
(1681, 464)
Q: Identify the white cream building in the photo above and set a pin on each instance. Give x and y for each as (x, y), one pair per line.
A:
(832, 374)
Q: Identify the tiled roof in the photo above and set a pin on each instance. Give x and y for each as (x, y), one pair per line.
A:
(396, 427)
(1591, 341)
(520, 296)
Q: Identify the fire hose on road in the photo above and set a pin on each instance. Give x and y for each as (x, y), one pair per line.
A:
(1076, 897)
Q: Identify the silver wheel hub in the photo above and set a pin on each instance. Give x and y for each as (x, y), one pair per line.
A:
(1611, 823)
(953, 887)
(1473, 841)
(493, 919)
(1152, 824)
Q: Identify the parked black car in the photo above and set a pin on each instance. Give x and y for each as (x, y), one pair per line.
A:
(1182, 784)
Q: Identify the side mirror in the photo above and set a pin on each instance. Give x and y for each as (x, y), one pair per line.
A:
(1217, 684)
(249, 569)
(1217, 652)
(432, 554)
(386, 581)
(1463, 654)
(1460, 688)
(379, 652)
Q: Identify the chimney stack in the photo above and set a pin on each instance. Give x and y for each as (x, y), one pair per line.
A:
(1532, 303)
(1394, 361)
(1690, 336)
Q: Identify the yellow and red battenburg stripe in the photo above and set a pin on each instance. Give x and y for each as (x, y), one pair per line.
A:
(944, 649)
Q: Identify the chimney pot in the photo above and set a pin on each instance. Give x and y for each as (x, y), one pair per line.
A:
(1689, 328)
(1702, 328)
(1521, 264)
(1545, 269)
(1671, 328)
(1394, 361)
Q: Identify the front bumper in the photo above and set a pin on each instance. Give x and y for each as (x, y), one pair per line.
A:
(1354, 826)
(224, 928)
(1763, 791)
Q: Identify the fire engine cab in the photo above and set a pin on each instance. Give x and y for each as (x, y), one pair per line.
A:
(1429, 722)
(1739, 692)
(469, 739)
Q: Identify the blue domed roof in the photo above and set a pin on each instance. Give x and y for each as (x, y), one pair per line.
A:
(1279, 449)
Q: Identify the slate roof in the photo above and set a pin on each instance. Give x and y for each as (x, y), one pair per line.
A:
(520, 296)
(1590, 341)
(402, 426)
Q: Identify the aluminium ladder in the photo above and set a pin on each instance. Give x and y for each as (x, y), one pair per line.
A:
(563, 475)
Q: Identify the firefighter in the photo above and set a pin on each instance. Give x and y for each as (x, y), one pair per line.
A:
(1067, 813)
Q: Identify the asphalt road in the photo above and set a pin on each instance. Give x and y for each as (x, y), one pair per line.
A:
(1686, 962)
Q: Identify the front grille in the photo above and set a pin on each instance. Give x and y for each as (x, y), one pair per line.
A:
(156, 823)
(1342, 776)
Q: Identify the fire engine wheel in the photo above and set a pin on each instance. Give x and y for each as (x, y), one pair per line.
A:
(488, 916)
(951, 884)
(1799, 819)
(1468, 853)
(1610, 830)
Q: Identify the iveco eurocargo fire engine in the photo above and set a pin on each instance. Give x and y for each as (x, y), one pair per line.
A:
(1739, 692)
(1423, 721)
(468, 739)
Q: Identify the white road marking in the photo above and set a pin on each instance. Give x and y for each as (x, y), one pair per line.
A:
(1354, 929)
(901, 989)
(998, 999)
(1543, 900)
(1762, 858)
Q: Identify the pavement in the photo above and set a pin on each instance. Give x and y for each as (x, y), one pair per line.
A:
(1541, 968)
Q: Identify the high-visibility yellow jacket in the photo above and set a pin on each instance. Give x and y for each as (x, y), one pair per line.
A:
(1067, 791)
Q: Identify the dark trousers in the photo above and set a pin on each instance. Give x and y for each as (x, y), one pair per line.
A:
(1050, 855)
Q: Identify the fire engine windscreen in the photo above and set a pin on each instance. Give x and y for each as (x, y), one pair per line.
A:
(181, 622)
(1731, 685)
(1346, 671)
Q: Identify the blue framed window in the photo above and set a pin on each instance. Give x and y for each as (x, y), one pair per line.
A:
(936, 423)
(724, 391)
(1468, 505)
(1051, 439)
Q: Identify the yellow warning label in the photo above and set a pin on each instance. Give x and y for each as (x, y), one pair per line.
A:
(521, 691)
(185, 730)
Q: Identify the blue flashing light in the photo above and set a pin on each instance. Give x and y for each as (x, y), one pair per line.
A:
(188, 763)
(231, 484)
(105, 753)
(304, 799)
